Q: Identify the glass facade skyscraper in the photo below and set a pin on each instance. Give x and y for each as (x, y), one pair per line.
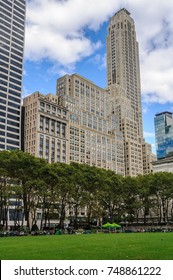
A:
(163, 123)
(12, 26)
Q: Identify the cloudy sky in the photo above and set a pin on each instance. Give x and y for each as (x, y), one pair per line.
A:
(67, 36)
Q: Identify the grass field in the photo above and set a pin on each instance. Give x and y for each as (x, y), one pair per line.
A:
(123, 246)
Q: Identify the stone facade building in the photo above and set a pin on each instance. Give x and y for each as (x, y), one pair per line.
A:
(46, 129)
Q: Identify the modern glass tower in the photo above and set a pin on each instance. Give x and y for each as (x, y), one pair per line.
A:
(12, 25)
(164, 134)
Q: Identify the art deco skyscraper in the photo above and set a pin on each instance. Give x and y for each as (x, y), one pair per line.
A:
(123, 75)
(12, 23)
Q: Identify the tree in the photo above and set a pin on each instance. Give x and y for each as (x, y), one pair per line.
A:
(146, 195)
(26, 168)
(92, 185)
(77, 200)
(111, 195)
(5, 186)
(162, 187)
(49, 193)
(63, 189)
(132, 202)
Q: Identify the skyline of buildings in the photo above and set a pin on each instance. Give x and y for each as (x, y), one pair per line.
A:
(103, 127)
(82, 122)
(12, 29)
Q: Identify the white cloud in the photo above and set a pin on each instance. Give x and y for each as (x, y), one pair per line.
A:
(157, 73)
(25, 92)
(155, 36)
(153, 148)
(61, 71)
(149, 134)
(145, 108)
(25, 72)
(99, 60)
(55, 29)
(55, 32)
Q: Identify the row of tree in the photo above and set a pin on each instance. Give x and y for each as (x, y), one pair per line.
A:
(54, 188)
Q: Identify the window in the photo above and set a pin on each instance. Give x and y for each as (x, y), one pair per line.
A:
(13, 111)
(3, 70)
(2, 120)
(12, 123)
(14, 99)
(2, 146)
(12, 136)
(2, 114)
(47, 124)
(14, 105)
(3, 95)
(41, 123)
(63, 130)
(47, 148)
(14, 93)
(42, 104)
(13, 142)
(2, 108)
(19, 65)
(52, 126)
(13, 117)
(12, 129)
(58, 128)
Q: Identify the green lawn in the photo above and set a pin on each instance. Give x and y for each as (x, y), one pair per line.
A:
(122, 246)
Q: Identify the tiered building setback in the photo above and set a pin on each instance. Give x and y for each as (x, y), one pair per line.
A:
(94, 137)
(123, 77)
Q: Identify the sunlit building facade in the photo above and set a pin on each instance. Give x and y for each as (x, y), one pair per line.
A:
(94, 135)
(123, 77)
(148, 158)
(46, 130)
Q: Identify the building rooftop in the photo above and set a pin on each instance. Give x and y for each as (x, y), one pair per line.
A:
(163, 113)
(123, 10)
(163, 160)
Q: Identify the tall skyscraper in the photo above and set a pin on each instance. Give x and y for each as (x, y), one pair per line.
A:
(12, 25)
(123, 60)
(123, 76)
(164, 134)
(105, 125)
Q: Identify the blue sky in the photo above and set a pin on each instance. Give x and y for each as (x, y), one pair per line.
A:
(69, 36)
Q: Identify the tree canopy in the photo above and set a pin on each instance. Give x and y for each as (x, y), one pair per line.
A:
(61, 191)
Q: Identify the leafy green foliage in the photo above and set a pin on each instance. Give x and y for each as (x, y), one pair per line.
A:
(55, 188)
